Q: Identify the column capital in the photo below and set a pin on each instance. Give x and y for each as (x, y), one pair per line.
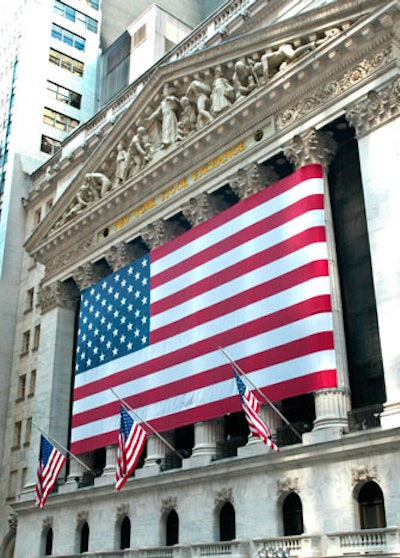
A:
(313, 146)
(160, 232)
(57, 294)
(87, 274)
(251, 179)
(122, 254)
(375, 109)
(201, 208)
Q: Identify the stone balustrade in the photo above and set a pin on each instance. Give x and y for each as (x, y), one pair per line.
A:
(382, 541)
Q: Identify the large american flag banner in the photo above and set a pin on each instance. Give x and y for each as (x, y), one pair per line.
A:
(253, 279)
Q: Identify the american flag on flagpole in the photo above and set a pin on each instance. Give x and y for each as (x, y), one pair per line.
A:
(51, 461)
(251, 407)
(131, 441)
(253, 279)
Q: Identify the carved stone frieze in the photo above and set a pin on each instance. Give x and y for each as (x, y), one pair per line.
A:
(58, 294)
(375, 109)
(121, 255)
(169, 504)
(333, 89)
(224, 495)
(75, 253)
(88, 274)
(313, 146)
(287, 484)
(94, 187)
(201, 208)
(182, 108)
(160, 232)
(363, 473)
(252, 179)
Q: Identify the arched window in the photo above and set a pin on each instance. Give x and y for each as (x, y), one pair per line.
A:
(49, 542)
(227, 523)
(172, 528)
(292, 512)
(84, 546)
(372, 506)
(125, 533)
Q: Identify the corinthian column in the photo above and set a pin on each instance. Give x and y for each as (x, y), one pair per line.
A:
(376, 119)
(331, 405)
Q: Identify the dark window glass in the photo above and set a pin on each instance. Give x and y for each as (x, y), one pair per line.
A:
(372, 507)
(292, 512)
(227, 523)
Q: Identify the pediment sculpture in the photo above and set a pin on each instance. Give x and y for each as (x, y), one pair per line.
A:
(184, 110)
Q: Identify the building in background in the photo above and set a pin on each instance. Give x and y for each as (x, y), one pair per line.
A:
(259, 94)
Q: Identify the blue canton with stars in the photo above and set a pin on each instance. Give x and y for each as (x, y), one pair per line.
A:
(115, 316)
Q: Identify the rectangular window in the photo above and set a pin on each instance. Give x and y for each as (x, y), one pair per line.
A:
(49, 145)
(32, 383)
(71, 14)
(67, 37)
(21, 386)
(66, 62)
(49, 205)
(36, 338)
(30, 293)
(28, 431)
(59, 121)
(139, 36)
(26, 336)
(64, 95)
(38, 215)
(17, 434)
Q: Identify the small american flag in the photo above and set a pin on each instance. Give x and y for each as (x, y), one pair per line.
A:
(131, 440)
(51, 461)
(251, 406)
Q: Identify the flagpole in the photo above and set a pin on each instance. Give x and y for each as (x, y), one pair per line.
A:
(64, 449)
(240, 371)
(139, 419)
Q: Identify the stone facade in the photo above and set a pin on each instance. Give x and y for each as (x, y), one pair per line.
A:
(274, 93)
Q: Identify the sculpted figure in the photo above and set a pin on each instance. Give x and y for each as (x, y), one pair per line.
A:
(139, 152)
(199, 93)
(94, 186)
(187, 121)
(222, 93)
(122, 157)
(244, 78)
(167, 113)
(274, 60)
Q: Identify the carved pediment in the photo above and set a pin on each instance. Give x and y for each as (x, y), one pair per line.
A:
(183, 103)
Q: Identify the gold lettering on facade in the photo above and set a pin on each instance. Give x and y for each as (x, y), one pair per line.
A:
(172, 190)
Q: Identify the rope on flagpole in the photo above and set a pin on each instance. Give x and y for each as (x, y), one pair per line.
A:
(140, 419)
(240, 371)
(56, 443)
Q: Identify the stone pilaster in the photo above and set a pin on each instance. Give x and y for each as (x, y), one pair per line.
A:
(51, 408)
(331, 405)
(376, 119)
